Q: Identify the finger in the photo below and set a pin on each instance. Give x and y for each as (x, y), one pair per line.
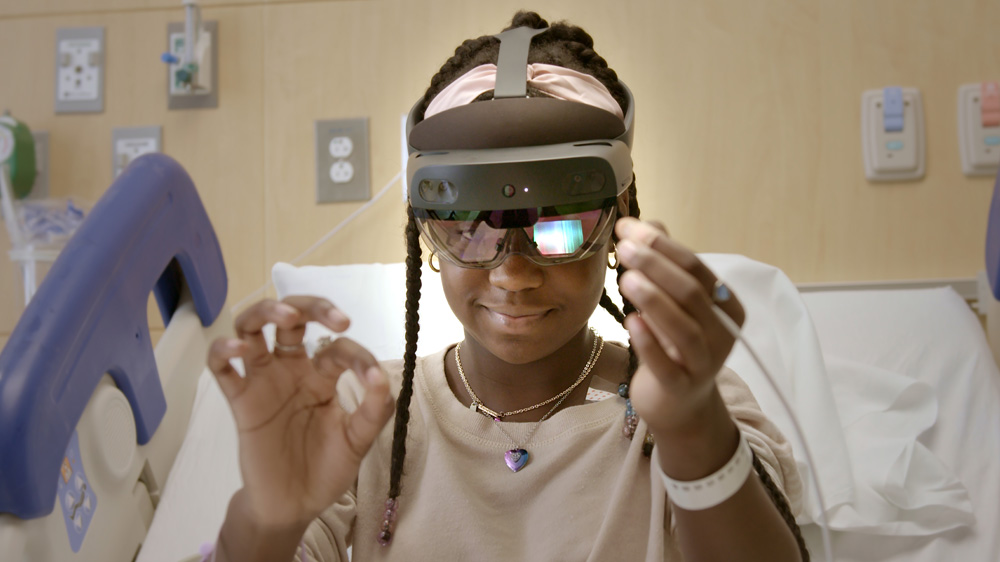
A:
(375, 410)
(345, 353)
(311, 309)
(651, 353)
(219, 355)
(252, 320)
(318, 309)
(679, 335)
(325, 365)
(658, 226)
(669, 277)
(646, 234)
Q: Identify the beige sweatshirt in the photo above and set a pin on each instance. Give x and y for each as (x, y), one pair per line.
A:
(587, 492)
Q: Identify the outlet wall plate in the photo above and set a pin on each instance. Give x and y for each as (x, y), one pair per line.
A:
(892, 156)
(129, 143)
(208, 96)
(342, 160)
(80, 70)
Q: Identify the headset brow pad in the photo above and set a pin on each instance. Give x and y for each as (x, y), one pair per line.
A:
(514, 122)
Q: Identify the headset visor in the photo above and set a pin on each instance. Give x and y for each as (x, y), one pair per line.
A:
(544, 235)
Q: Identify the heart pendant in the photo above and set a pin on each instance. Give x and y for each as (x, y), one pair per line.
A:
(516, 459)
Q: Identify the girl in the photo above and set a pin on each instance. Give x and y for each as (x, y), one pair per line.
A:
(532, 439)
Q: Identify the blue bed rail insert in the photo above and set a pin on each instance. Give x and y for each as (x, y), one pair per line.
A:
(148, 233)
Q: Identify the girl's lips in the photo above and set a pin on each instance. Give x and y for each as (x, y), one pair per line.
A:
(516, 320)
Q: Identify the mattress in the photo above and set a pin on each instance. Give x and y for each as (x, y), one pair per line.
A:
(932, 336)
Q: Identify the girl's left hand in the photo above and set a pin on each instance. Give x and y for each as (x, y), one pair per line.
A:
(680, 342)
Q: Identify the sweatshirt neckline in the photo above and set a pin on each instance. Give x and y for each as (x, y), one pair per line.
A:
(464, 423)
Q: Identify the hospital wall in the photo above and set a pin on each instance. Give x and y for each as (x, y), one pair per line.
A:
(747, 135)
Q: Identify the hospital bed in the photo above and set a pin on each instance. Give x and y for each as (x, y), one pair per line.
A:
(896, 391)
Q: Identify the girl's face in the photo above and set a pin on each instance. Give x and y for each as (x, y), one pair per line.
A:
(522, 312)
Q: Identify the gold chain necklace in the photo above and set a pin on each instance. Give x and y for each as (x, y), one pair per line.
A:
(478, 406)
(517, 457)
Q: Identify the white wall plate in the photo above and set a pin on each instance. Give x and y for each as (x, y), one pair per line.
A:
(129, 143)
(80, 70)
(978, 144)
(892, 155)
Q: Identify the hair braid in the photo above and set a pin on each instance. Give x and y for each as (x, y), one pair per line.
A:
(409, 355)
(779, 501)
(627, 306)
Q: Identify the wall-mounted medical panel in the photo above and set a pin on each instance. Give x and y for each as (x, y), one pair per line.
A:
(892, 134)
(195, 83)
(80, 70)
(979, 128)
(129, 143)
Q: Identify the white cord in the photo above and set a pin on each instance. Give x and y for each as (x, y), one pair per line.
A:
(824, 526)
(260, 292)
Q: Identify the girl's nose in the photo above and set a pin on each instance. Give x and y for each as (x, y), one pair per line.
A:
(517, 273)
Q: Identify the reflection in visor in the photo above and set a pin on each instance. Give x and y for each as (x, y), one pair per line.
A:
(546, 235)
(558, 237)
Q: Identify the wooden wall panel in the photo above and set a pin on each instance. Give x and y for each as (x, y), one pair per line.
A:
(748, 129)
(748, 135)
(34, 8)
(221, 149)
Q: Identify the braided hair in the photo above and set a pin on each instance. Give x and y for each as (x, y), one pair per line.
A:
(571, 47)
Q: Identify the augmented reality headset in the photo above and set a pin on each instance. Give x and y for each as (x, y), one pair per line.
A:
(534, 176)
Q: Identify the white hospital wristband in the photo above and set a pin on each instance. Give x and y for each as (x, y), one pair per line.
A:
(715, 488)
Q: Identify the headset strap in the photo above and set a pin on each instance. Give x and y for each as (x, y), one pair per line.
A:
(512, 62)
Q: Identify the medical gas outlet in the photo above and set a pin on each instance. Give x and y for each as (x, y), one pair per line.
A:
(979, 128)
(892, 134)
(192, 59)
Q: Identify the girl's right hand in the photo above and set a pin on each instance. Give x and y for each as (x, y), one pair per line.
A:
(299, 450)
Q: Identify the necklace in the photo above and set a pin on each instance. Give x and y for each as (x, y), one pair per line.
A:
(478, 406)
(517, 457)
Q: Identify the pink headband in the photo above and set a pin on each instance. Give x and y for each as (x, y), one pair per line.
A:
(557, 81)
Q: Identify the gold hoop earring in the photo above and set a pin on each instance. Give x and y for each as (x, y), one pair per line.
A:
(430, 262)
(615, 264)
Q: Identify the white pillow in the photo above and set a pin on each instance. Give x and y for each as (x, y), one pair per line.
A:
(777, 326)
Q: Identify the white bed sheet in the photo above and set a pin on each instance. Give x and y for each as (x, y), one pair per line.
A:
(930, 335)
(874, 329)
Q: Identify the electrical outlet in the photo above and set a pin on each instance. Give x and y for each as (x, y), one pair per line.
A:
(41, 188)
(129, 143)
(342, 160)
(341, 172)
(80, 70)
(204, 91)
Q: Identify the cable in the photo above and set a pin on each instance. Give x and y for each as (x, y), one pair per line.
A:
(357, 212)
(824, 527)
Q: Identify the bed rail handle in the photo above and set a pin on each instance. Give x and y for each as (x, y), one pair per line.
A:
(148, 233)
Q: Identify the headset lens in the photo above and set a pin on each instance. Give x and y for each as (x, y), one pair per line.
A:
(545, 235)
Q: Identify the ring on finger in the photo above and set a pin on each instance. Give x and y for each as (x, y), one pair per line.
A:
(322, 343)
(720, 292)
(289, 348)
